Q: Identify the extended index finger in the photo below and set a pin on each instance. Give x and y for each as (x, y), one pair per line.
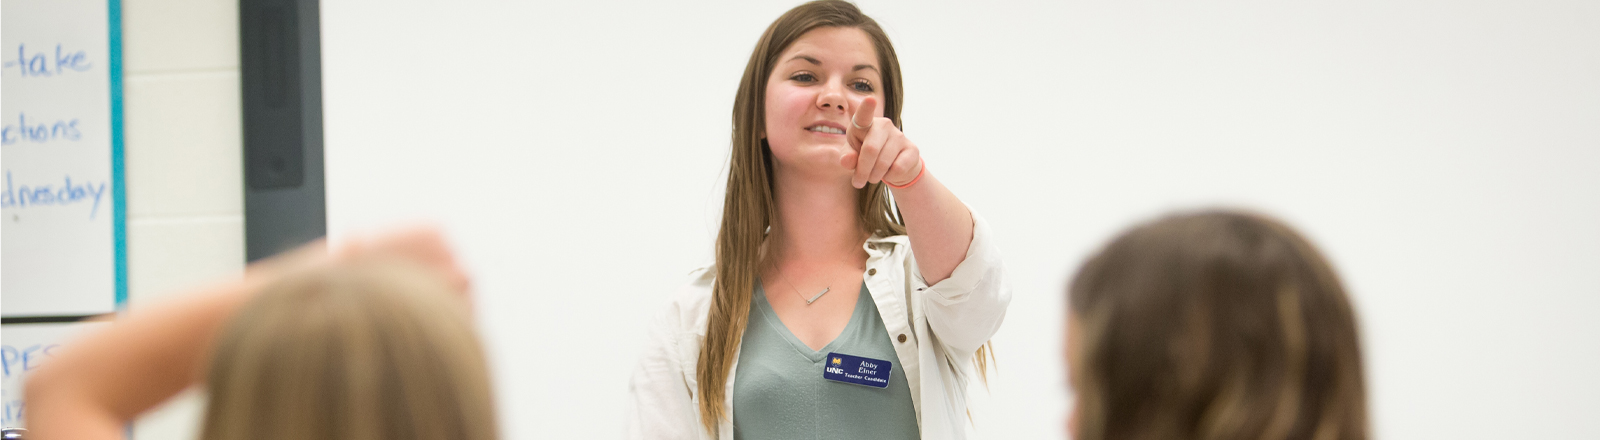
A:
(865, 113)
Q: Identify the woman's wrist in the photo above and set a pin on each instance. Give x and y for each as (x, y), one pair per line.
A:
(922, 167)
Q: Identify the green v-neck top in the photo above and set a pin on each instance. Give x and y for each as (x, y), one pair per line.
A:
(779, 392)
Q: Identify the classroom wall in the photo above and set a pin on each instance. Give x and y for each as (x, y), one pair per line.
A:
(1442, 153)
(184, 181)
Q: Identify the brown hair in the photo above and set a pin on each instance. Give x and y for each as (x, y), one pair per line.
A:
(748, 207)
(1214, 325)
(363, 351)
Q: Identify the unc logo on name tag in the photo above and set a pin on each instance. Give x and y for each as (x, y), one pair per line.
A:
(857, 370)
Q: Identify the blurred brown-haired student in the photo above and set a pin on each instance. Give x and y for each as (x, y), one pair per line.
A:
(1213, 325)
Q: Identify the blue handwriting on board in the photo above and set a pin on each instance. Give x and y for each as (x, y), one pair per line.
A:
(13, 412)
(42, 64)
(18, 360)
(66, 194)
(39, 132)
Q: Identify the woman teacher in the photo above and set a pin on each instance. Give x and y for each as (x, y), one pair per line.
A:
(853, 293)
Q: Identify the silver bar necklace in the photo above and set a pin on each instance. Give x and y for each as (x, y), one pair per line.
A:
(818, 295)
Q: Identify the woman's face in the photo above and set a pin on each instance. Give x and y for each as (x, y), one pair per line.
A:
(816, 87)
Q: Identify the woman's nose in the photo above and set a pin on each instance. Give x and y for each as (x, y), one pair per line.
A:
(832, 97)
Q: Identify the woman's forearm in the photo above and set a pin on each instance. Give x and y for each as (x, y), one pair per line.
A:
(939, 225)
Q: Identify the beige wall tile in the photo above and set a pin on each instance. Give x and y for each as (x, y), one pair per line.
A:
(168, 255)
(176, 35)
(178, 419)
(183, 145)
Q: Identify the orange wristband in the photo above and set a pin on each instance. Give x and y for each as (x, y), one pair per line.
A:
(913, 180)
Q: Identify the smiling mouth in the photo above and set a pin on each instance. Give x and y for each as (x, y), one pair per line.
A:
(825, 129)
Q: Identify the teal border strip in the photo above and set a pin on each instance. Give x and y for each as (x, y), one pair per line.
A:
(119, 191)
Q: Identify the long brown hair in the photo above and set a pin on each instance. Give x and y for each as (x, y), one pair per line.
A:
(748, 208)
(1214, 325)
(360, 351)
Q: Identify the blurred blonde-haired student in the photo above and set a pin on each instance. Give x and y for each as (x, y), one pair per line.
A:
(374, 341)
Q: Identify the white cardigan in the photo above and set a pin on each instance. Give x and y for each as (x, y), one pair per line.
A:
(944, 325)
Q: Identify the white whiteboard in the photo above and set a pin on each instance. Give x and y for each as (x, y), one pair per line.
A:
(61, 196)
(62, 200)
(1443, 154)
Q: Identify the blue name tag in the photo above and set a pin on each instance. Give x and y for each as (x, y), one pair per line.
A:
(857, 370)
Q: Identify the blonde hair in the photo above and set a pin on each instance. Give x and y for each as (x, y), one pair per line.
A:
(369, 351)
(1215, 325)
(748, 207)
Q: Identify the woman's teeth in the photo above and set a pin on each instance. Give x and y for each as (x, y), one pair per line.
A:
(826, 129)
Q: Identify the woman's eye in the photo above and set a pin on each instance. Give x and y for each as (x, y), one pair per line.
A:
(803, 77)
(862, 86)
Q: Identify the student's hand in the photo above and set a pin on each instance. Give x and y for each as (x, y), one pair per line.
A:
(424, 245)
(305, 256)
(882, 152)
(421, 245)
